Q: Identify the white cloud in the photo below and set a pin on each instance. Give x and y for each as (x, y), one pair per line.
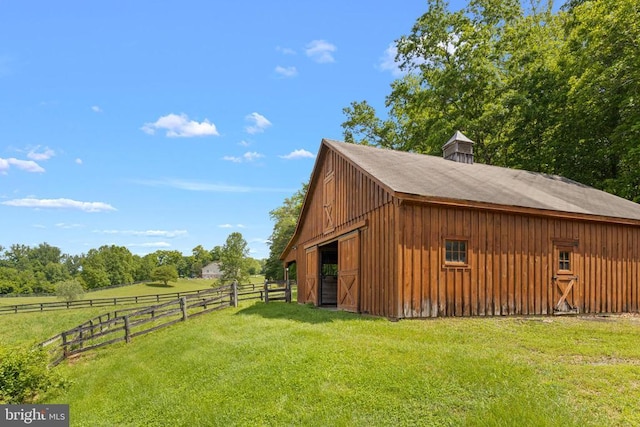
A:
(231, 226)
(249, 156)
(96, 109)
(286, 71)
(388, 61)
(258, 123)
(78, 161)
(321, 51)
(210, 187)
(232, 159)
(179, 126)
(37, 154)
(244, 143)
(150, 245)
(68, 226)
(298, 154)
(25, 165)
(285, 50)
(60, 204)
(146, 233)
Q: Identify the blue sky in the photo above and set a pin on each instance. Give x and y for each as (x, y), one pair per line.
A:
(166, 125)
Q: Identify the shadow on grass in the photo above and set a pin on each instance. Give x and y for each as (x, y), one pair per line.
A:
(298, 312)
(159, 285)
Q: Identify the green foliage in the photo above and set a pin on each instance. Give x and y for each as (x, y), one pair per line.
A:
(115, 263)
(254, 266)
(69, 290)
(165, 274)
(24, 375)
(27, 270)
(233, 259)
(285, 218)
(538, 89)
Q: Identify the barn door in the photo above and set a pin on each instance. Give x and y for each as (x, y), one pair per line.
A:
(349, 272)
(311, 276)
(564, 280)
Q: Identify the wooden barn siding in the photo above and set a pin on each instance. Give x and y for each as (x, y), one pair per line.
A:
(511, 264)
(357, 198)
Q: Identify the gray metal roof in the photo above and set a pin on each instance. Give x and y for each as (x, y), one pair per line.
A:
(423, 175)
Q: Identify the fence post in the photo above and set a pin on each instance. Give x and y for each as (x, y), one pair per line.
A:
(183, 307)
(266, 291)
(234, 293)
(127, 331)
(65, 347)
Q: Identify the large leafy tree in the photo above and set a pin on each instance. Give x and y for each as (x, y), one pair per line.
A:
(165, 274)
(233, 259)
(285, 218)
(602, 71)
(108, 265)
(544, 90)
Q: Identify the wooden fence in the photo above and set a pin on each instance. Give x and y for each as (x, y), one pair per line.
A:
(96, 302)
(123, 325)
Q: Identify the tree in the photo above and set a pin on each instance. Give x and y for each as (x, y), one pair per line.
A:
(285, 218)
(233, 259)
(94, 277)
(602, 71)
(544, 90)
(116, 262)
(143, 267)
(69, 290)
(254, 266)
(200, 257)
(165, 274)
(215, 253)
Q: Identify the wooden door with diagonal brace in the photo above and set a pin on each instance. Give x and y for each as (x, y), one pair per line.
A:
(311, 276)
(565, 280)
(349, 272)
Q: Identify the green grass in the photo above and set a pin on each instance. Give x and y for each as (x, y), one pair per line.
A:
(290, 364)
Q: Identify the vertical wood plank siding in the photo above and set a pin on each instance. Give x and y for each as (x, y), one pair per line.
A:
(510, 263)
(357, 198)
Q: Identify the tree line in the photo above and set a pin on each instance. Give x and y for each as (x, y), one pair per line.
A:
(29, 270)
(552, 91)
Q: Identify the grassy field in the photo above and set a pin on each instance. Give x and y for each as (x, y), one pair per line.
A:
(290, 364)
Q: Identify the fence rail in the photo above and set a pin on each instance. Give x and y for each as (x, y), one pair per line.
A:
(96, 302)
(123, 325)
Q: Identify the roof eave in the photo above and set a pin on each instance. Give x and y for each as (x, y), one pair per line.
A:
(414, 198)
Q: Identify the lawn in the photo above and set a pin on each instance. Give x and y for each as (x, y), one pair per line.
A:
(290, 364)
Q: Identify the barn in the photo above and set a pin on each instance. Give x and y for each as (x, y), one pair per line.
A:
(405, 235)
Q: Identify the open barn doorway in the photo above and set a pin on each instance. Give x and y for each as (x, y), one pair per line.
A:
(329, 275)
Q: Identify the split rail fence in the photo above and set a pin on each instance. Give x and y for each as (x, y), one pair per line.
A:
(125, 324)
(96, 302)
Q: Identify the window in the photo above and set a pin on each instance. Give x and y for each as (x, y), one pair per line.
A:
(455, 251)
(564, 261)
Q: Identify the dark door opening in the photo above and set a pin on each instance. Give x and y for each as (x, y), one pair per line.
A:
(329, 275)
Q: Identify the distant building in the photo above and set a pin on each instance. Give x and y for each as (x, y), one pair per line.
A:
(211, 271)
